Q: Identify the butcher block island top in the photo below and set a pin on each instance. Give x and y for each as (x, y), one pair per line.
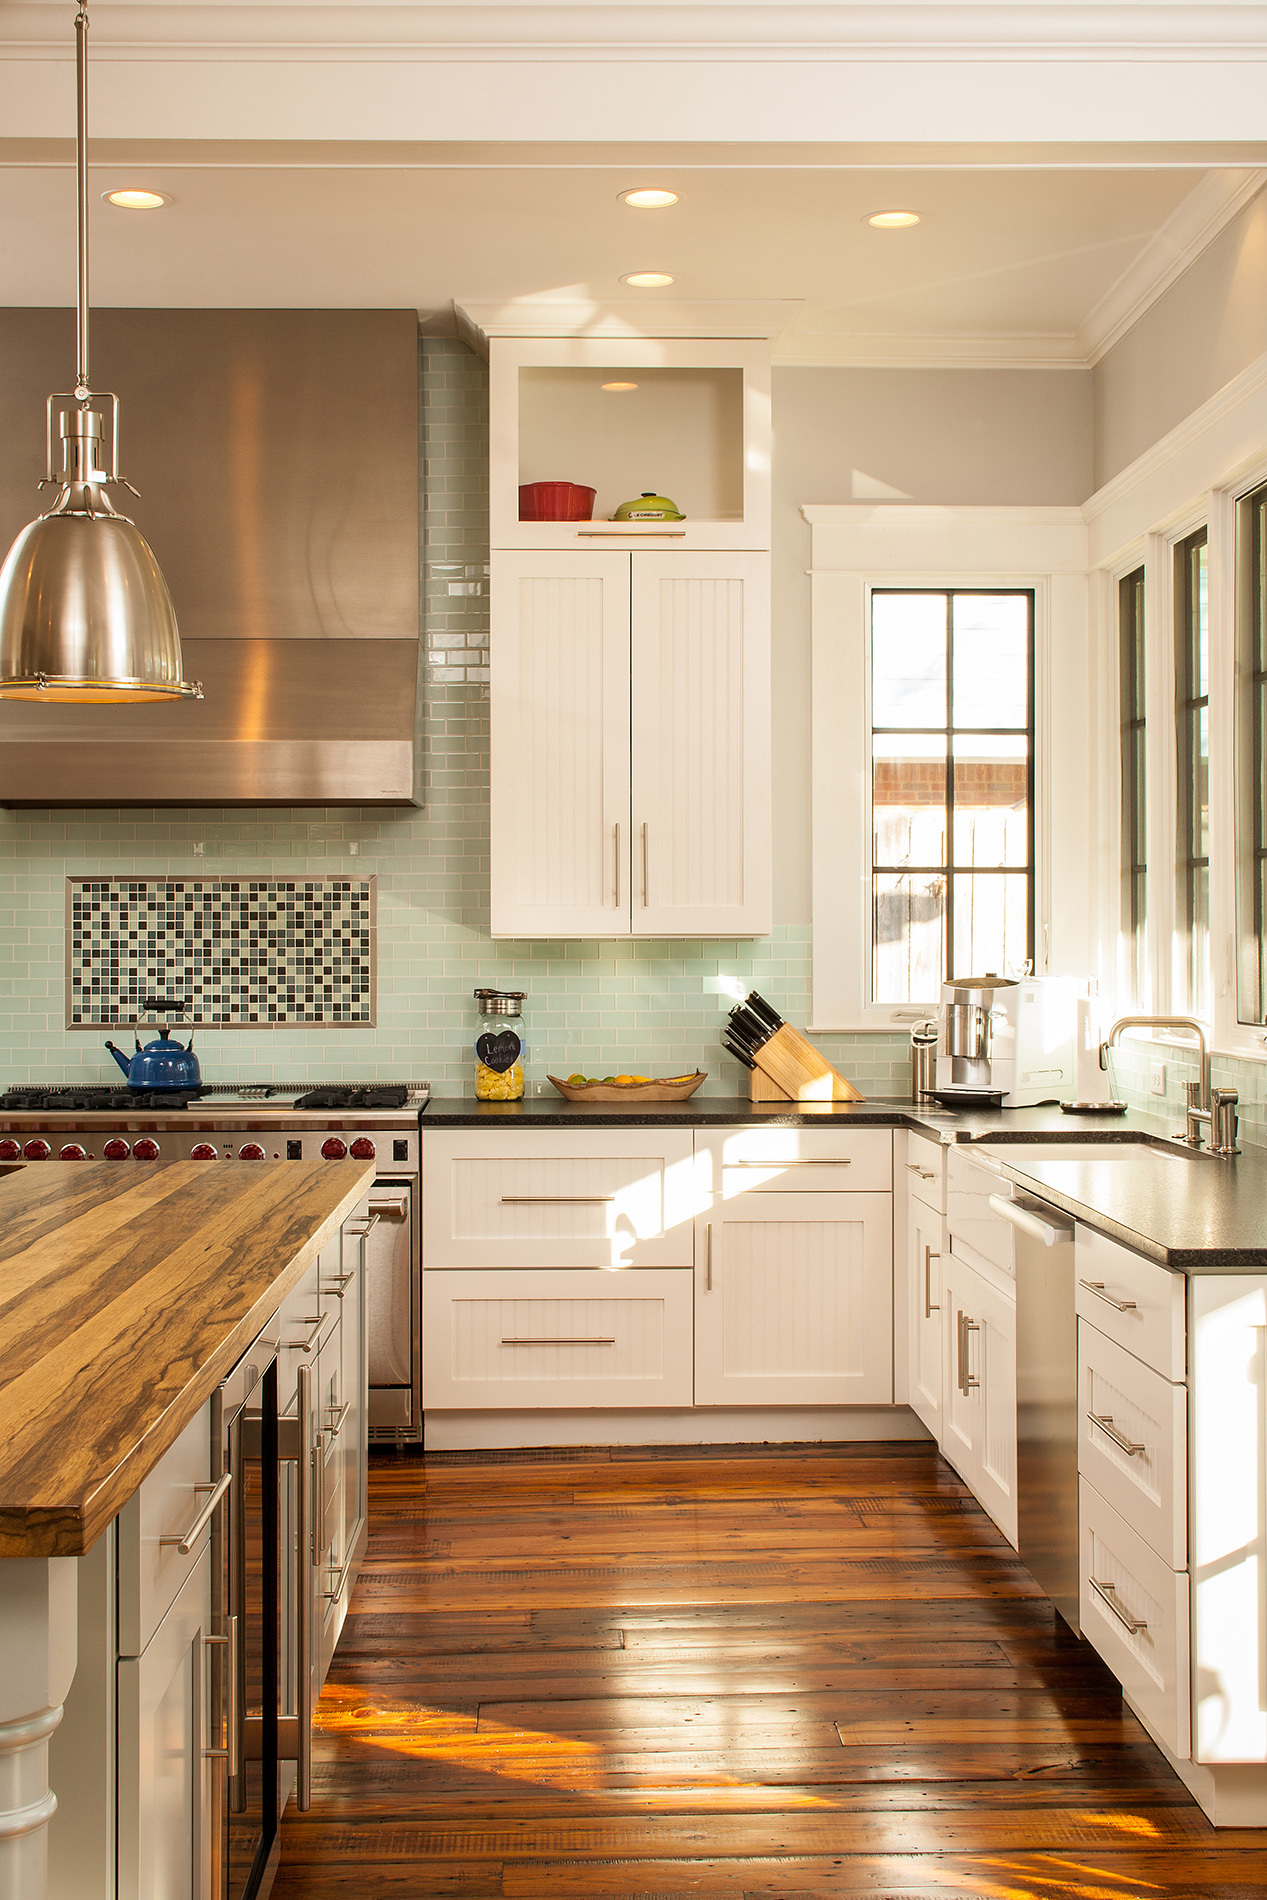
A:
(126, 1294)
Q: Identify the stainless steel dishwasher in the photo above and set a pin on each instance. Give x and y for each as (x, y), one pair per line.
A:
(1046, 1398)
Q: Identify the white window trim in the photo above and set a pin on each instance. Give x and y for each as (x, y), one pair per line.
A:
(1195, 476)
(858, 549)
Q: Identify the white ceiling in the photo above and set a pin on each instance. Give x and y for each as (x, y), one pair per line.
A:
(1020, 261)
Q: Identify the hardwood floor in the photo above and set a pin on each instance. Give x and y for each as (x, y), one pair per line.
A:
(794, 1671)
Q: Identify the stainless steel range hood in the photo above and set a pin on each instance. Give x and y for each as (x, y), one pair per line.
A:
(288, 532)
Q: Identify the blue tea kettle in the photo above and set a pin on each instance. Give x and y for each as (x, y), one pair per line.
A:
(163, 1063)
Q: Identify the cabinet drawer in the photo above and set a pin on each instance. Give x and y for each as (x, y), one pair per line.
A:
(925, 1172)
(796, 1161)
(1124, 1584)
(1147, 1483)
(544, 1198)
(1136, 1303)
(505, 1341)
(168, 1504)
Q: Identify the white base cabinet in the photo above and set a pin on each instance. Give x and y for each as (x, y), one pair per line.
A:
(924, 1304)
(979, 1387)
(793, 1300)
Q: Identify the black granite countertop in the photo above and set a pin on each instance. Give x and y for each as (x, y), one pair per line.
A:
(1195, 1213)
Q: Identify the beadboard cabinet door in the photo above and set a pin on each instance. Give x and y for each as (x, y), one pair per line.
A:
(700, 744)
(979, 1388)
(794, 1300)
(559, 714)
(924, 1311)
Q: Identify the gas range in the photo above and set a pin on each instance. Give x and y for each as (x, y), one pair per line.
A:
(371, 1121)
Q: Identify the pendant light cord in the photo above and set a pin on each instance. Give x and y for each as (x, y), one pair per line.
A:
(82, 384)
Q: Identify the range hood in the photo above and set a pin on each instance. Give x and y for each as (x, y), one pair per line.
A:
(276, 454)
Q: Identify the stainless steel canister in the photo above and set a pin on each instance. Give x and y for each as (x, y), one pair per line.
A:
(923, 1060)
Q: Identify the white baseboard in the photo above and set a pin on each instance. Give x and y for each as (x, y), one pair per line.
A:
(1230, 1794)
(695, 1425)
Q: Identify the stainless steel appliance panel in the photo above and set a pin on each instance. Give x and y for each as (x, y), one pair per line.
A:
(393, 1284)
(1046, 1400)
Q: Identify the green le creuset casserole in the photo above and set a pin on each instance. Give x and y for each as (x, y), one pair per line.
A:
(649, 508)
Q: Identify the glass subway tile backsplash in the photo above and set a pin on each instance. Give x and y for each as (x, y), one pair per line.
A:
(229, 950)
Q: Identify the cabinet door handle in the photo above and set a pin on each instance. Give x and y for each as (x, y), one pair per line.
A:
(310, 1344)
(1098, 1288)
(229, 1753)
(966, 1381)
(708, 1258)
(645, 898)
(336, 1416)
(588, 1340)
(1104, 1421)
(1107, 1593)
(795, 1161)
(930, 1304)
(333, 1593)
(616, 865)
(339, 1287)
(185, 1540)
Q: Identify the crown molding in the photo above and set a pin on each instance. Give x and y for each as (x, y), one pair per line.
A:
(1193, 225)
(757, 30)
(987, 350)
(478, 320)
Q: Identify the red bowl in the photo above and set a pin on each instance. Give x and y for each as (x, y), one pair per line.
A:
(556, 501)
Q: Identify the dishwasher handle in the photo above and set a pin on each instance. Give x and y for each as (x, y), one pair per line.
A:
(1051, 1229)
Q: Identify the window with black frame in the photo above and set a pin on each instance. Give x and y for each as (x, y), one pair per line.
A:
(952, 775)
(1131, 714)
(1251, 758)
(1192, 737)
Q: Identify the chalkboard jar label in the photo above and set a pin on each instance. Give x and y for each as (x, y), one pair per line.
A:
(500, 1050)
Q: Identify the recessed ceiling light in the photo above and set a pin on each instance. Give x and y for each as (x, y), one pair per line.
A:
(619, 388)
(893, 220)
(136, 200)
(647, 279)
(649, 198)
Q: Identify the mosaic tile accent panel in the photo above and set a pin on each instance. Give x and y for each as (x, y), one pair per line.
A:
(282, 951)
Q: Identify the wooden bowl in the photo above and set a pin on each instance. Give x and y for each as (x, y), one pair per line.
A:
(675, 1090)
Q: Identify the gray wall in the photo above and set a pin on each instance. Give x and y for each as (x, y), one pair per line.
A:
(968, 436)
(1207, 327)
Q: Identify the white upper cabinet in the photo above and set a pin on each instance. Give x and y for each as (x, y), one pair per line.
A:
(700, 754)
(627, 416)
(559, 666)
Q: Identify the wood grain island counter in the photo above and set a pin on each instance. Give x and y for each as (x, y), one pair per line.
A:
(126, 1294)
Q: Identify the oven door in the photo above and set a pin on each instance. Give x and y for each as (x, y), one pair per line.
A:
(392, 1312)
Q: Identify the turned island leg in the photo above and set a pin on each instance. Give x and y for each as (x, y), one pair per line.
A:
(37, 1661)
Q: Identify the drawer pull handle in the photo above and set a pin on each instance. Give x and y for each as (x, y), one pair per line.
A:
(186, 1541)
(1107, 1593)
(310, 1344)
(557, 1200)
(1098, 1288)
(931, 1306)
(333, 1594)
(587, 1341)
(708, 1258)
(797, 1161)
(1105, 1422)
(336, 1416)
(925, 1174)
(339, 1287)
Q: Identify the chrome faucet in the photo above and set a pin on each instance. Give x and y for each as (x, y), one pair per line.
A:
(1214, 1109)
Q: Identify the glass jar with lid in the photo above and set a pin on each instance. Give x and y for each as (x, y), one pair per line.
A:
(499, 1046)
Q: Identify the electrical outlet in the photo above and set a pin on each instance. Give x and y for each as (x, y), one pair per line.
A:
(1157, 1079)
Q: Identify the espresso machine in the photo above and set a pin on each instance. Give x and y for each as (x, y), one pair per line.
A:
(1016, 1037)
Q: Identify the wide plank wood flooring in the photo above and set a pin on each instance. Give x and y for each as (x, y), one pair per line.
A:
(786, 1670)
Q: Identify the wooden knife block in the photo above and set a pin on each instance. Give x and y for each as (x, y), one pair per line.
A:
(790, 1069)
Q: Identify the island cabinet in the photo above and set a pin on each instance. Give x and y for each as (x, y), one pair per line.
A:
(976, 1326)
(163, 1723)
(629, 661)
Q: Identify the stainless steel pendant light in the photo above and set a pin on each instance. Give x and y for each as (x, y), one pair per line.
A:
(85, 615)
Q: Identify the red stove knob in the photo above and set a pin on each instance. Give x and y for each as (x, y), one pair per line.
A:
(202, 1151)
(250, 1151)
(146, 1149)
(10, 1150)
(37, 1150)
(333, 1148)
(116, 1149)
(73, 1152)
(363, 1148)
